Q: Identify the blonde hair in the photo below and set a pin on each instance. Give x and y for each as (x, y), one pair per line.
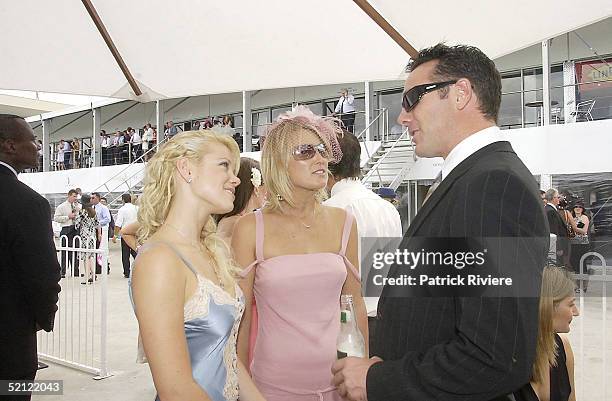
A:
(557, 285)
(160, 188)
(277, 151)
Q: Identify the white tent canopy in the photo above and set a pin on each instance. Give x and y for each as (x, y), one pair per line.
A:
(26, 107)
(185, 48)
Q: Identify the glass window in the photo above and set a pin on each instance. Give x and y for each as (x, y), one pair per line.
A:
(510, 111)
(511, 82)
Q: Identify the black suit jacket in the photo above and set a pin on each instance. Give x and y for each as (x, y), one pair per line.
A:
(555, 221)
(29, 274)
(459, 348)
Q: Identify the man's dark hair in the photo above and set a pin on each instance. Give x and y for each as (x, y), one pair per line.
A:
(7, 124)
(456, 62)
(349, 166)
(96, 194)
(104, 199)
(126, 198)
(72, 192)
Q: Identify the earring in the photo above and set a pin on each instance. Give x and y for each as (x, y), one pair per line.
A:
(279, 197)
(189, 180)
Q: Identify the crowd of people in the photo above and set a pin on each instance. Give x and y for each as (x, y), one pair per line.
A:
(240, 267)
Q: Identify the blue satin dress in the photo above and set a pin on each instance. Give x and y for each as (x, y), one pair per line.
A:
(212, 318)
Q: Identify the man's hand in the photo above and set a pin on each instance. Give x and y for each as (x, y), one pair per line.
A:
(350, 377)
(71, 215)
(114, 239)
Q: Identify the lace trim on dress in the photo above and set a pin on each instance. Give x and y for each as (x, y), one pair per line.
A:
(230, 358)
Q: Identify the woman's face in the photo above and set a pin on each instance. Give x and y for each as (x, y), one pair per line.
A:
(308, 162)
(213, 179)
(564, 313)
(577, 210)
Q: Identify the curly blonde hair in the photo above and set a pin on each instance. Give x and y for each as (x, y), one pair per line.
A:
(160, 188)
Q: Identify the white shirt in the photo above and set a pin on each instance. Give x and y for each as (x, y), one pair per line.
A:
(469, 146)
(9, 167)
(62, 211)
(126, 215)
(375, 217)
(136, 138)
(148, 135)
(345, 104)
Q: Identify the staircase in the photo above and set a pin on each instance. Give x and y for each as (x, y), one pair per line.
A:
(389, 166)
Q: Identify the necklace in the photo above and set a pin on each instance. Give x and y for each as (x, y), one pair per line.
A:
(198, 245)
(307, 226)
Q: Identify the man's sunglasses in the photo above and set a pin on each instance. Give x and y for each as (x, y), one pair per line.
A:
(308, 151)
(414, 95)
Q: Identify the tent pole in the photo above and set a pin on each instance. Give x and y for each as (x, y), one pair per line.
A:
(386, 26)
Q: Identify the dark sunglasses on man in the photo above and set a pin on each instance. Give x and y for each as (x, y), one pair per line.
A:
(308, 151)
(413, 95)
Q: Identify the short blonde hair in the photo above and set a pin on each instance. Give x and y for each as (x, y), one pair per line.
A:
(275, 156)
(557, 285)
(160, 189)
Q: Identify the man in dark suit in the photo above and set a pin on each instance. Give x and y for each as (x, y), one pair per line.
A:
(29, 270)
(557, 225)
(457, 347)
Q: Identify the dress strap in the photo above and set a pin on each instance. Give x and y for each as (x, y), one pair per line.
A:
(176, 251)
(346, 232)
(259, 236)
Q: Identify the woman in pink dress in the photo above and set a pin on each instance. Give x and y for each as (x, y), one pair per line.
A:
(298, 257)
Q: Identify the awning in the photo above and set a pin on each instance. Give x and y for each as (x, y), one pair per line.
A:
(26, 107)
(196, 47)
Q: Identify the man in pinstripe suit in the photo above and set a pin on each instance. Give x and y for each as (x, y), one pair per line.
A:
(457, 347)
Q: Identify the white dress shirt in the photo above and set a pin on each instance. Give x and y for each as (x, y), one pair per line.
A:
(375, 217)
(126, 215)
(469, 146)
(345, 104)
(9, 167)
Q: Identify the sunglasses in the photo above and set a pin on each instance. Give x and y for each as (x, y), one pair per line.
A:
(308, 151)
(413, 96)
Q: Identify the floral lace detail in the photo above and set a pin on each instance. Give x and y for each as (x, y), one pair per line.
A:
(197, 305)
(230, 359)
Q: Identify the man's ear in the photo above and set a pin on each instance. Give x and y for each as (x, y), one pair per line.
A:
(7, 146)
(463, 93)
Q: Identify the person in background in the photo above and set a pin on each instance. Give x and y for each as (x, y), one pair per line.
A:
(345, 108)
(543, 196)
(127, 214)
(59, 159)
(89, 230)
(298, 258)
(29, 270)
(147, 140)
(558, 225)
(67, 154)
(104, 219)
(388, 194)
(136, 141)
(40, 155)
(250, 195)
(76, 151)
(553, 369)
(171, 131)
(183, 284)
(65, 214)
(580, 243)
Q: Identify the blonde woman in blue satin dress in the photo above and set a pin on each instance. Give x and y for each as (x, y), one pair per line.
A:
(183, 284)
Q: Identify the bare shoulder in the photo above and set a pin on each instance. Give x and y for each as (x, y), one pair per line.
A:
(245, 225)
(157, 265)
(335, 214)
(569, 353)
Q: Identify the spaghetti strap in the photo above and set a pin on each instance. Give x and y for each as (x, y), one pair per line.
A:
(259, 235)
(346, 232)
(176, 251)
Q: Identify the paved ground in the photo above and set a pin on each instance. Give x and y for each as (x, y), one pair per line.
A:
(132, 381)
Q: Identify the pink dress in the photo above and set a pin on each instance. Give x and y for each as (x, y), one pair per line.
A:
(298, 306)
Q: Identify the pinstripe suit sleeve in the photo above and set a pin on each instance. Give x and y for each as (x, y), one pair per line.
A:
(492, 351)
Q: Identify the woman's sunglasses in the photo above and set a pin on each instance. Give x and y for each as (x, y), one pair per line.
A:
(308, 151)
(413, 96)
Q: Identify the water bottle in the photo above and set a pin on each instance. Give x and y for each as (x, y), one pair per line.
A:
(350, 341)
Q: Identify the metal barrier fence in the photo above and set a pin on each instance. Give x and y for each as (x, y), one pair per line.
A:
(79, 336)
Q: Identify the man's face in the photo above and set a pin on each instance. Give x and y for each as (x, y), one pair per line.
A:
(72, 198)
(556, 199)
(430, 121)
(95, 200)
(103, 201)
(544, 199)
(22, 148)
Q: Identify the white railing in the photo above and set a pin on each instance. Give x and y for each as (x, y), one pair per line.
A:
(376, 166)
(79, 336)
